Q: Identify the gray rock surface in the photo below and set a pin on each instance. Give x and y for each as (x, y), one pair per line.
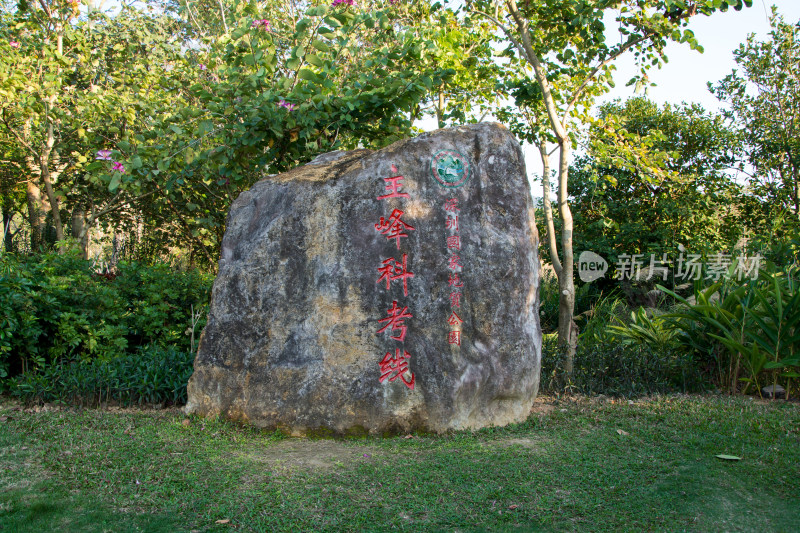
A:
(350, 299)
(773, 391)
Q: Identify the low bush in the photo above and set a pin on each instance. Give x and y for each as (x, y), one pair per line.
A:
(151, 375)
(749, 329)
(609, 362)
(63, 321)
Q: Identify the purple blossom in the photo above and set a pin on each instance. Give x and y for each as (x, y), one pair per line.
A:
(287, 105)
(343, 2)
(264, 24)
(104, 155)
(13, 44)
(202, 66)
(119, 167)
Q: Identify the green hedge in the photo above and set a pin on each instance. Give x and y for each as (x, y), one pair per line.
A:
(61, 320)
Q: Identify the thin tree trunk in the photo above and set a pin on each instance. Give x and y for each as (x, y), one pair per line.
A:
(548, 209)
(36, 215)
(8, 236)
(440, 111)
(567, 329)
(80, 230)
(48, 184)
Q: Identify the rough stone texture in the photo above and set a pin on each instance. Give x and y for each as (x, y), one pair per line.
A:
(291, 340)
(773, 391)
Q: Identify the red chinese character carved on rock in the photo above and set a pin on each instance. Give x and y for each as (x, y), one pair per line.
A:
(396, 364)
(451, 223)
(455, 281)
(454, 242)
(454, 263)
(454, 319)
(394, 321)
(451, 204)
(393, 270)
(393, 186)
(454, 337)
(455, 299)
(394, 227)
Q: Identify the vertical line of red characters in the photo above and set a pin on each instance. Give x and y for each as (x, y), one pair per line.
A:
(395, 365)
(453, 240)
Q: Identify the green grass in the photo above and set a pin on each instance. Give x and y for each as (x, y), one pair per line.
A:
(566, 469)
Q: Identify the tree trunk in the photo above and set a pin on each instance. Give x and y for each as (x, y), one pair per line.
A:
(567, 329)
(80, 230)
(440, 110)
(548, 209)
(8, 237)
(44, 165)
(36, 215)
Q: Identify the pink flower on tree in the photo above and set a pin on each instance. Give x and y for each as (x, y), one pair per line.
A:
(119, 167)
(202, 66)
(13, 44)
(287, 105)
(264, 24)
(104, 155)
(343, 2)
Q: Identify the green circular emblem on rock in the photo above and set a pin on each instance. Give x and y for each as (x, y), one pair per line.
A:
(450, 168)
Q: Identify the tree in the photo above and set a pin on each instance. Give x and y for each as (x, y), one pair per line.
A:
(68, 85)
(566, 45)
(764, 100)
(166, 120)
(655, 178)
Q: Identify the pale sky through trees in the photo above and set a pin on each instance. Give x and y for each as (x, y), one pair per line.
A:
(685, 77)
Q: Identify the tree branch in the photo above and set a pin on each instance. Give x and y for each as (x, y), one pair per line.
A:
(21, 140)
(627, 46)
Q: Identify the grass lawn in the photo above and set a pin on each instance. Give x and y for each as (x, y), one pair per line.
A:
(575, 465)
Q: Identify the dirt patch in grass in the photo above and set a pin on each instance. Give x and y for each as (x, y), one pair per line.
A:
(543, 406)
(317, 454)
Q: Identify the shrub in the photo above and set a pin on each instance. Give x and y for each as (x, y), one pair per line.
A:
(609, 362)
(150, 375)
(749, 328)
(58, 313)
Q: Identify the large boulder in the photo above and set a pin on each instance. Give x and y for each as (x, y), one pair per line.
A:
(379, 292)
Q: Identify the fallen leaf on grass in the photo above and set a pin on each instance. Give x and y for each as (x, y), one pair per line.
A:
(225, 521)
(728, 457)
(622, 432)
(409, 437)
(5, 418)
(186, 422)
(513, 506)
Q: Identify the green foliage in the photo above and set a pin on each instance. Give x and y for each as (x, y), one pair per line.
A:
(196, 108)
(58, 312)
(750, 328)
(636, 357)
(764, 98)
(655, 179)
(641, 328)
(149, 375)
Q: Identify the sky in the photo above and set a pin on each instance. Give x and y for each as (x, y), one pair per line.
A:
(685, 77)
